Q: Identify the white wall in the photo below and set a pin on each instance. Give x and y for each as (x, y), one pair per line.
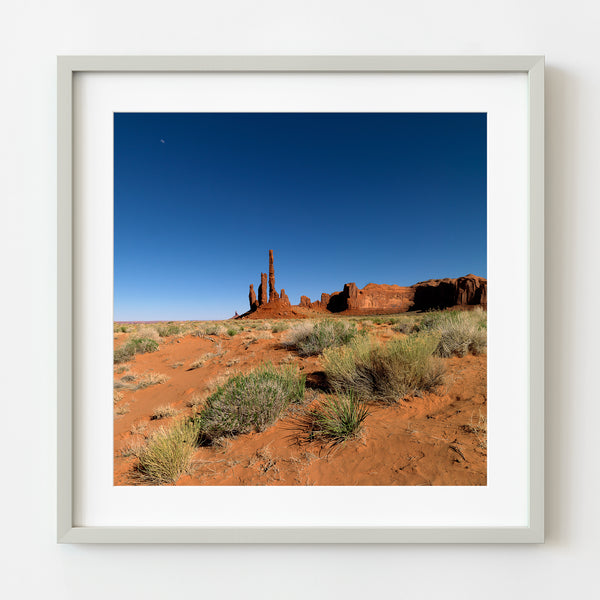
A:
(33, 32)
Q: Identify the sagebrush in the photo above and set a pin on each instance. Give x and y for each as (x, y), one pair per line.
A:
(251, 402)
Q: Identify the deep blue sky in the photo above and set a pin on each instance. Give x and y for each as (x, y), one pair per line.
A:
(200, 198)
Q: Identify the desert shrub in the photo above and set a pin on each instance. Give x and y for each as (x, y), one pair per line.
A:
(134, 346)
(122, 409)
(149, 379)
(406, 327)
(232, 331)
(213, 329)
(432, 320)
(147, 331)
(251, 402)
(338, 418)
(199, 362)
(384, 371)
(121, 328)
(312, 338)
(168, 453)
(169, 329)
(162, 412)
(277, 327)
(461, 332)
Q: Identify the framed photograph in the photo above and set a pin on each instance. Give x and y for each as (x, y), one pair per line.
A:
(278, 269)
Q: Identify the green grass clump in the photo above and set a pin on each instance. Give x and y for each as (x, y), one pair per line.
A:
(384, 371)
(232, 331)
(310, 338)
(338, 418)
(134, 346)
(169, 329)
(277, 327)
(213, 329)
(459, 332)
(251, 402)
(167, 454)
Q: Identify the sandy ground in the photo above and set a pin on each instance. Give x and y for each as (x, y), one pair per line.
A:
(434, 439)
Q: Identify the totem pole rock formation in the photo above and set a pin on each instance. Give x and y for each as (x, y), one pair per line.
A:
(434, 294)
(262, 289)
(273, 295)
(274, 299)
(252, 298)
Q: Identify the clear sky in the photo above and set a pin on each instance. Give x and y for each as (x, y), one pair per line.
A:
(339, 197)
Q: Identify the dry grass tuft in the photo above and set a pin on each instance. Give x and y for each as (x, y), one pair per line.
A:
(387, 371)
(479, 428)
(168, 453)
(148, 332)
(122, 409)
(138, 428)
(460, 332)
(195, 401)
(310, 338)
(336, 419)
(149, 379)
(164, 412)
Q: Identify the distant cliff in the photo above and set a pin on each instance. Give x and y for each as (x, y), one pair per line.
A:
(466, 291)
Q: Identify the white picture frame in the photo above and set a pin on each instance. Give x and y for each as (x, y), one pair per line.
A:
(68, 531)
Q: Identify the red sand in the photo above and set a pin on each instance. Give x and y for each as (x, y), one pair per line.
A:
(429, 440)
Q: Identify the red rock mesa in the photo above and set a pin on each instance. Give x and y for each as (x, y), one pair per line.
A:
(433, 294)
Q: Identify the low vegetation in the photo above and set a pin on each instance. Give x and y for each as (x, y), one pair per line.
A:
(149, 379)
(478, 426)
(163, 412)
(133, 381)
(460, 332)
(310, 338)
(337, 419)
(250, 402)
(212, 329)
(384, 371)
(169, 329)
(137, 345)
(147, 331)
(168, 453)
(406, 327)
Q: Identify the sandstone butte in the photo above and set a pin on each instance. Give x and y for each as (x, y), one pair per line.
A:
(434, 294)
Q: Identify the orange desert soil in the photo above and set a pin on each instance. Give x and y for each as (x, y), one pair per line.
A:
(430, 440)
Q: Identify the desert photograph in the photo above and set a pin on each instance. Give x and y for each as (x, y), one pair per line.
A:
(300, 299)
